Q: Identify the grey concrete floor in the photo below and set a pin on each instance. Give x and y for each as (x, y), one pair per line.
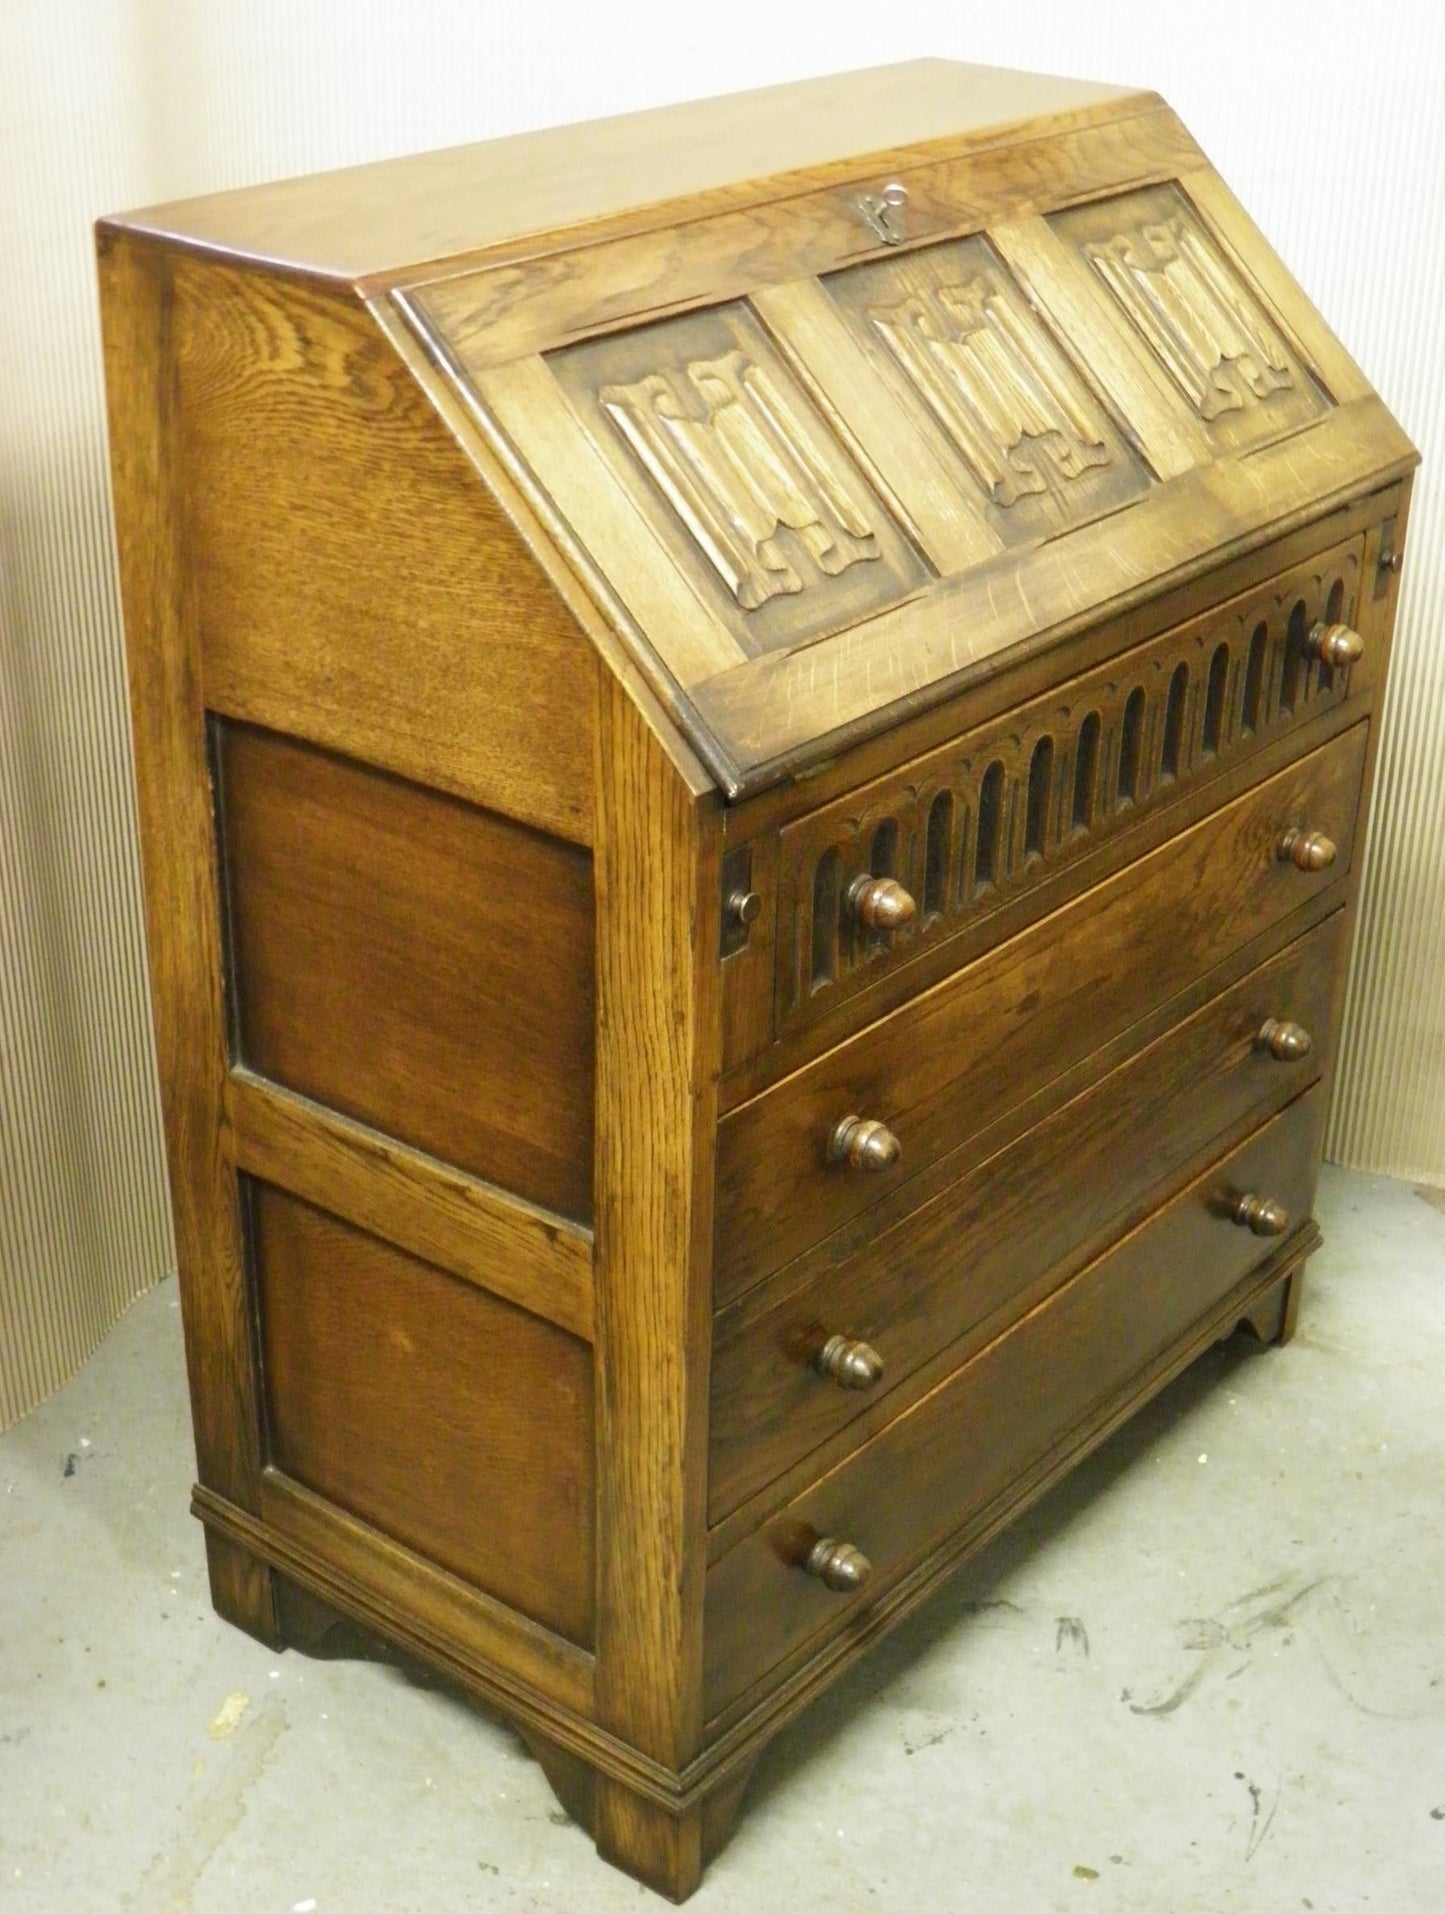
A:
(1207, 1674)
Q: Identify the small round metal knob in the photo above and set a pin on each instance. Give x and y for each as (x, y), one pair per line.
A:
(1335, 645)
(743, 908)
(855, 1365)
(1286, 1042)
(1391, 561)
(838, 1565)
(860, 1143)
(1306, 850)
(1260, 1214)
(880, 903)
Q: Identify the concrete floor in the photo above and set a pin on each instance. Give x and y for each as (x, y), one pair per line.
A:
(1207, 1674)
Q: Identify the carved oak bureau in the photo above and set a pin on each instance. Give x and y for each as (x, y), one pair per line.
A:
(752, 728)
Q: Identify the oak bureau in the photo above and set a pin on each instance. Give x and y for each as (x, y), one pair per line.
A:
(752, 727)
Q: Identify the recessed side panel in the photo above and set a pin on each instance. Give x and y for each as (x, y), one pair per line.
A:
(413, 962)
(989, 388)
(450, 1420)
(751, 492)
(1223, 356)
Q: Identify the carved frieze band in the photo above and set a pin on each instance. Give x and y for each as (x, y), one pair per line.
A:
(991, 386)
(738, 465)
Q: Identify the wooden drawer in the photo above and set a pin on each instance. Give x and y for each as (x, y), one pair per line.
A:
(1013, 1227)
(973, 824)
(971, 1440)
(962, 1053)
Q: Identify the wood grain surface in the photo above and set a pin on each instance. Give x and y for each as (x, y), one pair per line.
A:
(416, 964)
(395, 213)
(1019, 1223)
(937, 1069)
(506, 310)
(355, 584)
(472, 1229)
(183, 907)
(993, 1419)
(658, 900)
(445, 1417)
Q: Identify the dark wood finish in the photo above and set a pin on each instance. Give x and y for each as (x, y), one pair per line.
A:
(817, 1662)
(398, 1585)
(448, 1419)
(415, 963)
(998, 1414)
(1335, 645)
(935, 1070)
(896, 983)
(1011, 806)
(530, 1256)
(1003, 1232)
(643, 650)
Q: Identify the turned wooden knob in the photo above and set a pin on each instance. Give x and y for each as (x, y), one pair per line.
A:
(880, 903)
(1260, 1214)
(856, 1365)
(1306, 850)
(858, 1143)
(742, 908)
(838, 1565)
(1334, 645)
(1286, 1042)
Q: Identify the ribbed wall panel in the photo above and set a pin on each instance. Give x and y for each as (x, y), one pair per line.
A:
(1328, 129)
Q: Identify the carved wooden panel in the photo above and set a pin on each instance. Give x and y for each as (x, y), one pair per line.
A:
(753, 493)
(968, 827)
(1221, 352)
(950, 330)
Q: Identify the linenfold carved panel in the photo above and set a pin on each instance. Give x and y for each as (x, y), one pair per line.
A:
(990, 387)
(952, 332)
(713, 439)
(746, 471)
(1219, 349)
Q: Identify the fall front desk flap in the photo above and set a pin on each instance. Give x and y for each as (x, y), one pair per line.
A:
(821, 458)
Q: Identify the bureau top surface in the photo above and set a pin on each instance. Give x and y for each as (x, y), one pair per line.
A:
(839, 395)
(396, 213)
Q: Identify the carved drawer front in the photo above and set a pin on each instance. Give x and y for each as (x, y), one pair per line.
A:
(825, 1342)
(1017, 1411)
(965, 829)
(814, 1152)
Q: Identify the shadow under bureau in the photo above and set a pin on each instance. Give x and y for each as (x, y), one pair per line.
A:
(752, 806)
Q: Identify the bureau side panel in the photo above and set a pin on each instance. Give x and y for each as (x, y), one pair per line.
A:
(182, 914)
(355, 583)
(418, 964)
(448, 1419)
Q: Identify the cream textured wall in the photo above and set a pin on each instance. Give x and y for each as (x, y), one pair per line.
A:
(1325, 122)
